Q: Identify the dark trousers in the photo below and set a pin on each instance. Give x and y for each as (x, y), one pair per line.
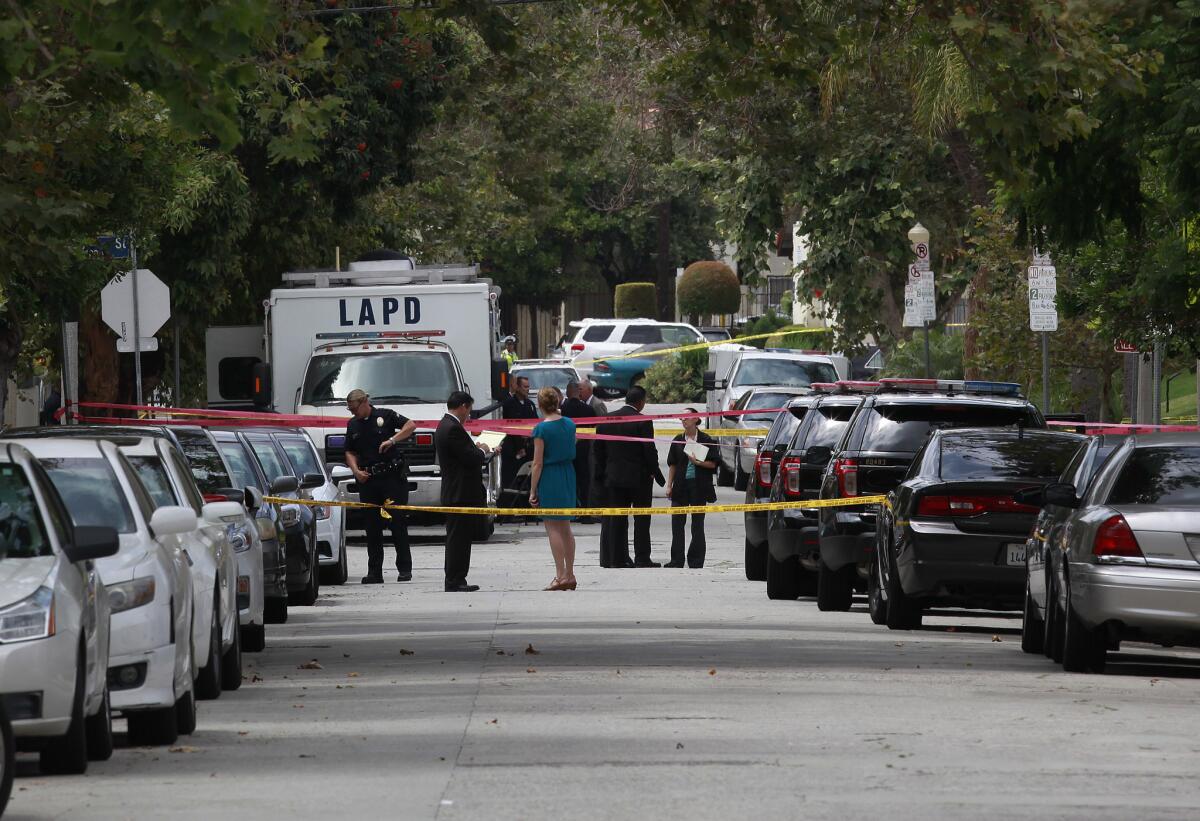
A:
(583, 471)
(460, 531)
(378, 490)
(510, 464)
(618, 526)
(685, 495)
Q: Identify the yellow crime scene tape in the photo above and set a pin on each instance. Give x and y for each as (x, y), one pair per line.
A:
(585, 511)
(696, 346)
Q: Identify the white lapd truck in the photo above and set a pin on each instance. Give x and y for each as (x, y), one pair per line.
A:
(407, 335)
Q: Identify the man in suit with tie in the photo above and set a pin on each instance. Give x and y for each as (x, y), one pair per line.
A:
(626, 470)
(462, 463)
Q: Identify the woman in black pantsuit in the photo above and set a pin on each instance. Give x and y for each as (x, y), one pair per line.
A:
(690, 482)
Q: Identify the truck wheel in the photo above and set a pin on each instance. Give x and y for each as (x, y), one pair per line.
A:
(835, 588)
(99, 731)
(1033, 626)
(902, 612)
(1084, 650)
(783, 578)
(756, 562)
(68, 754)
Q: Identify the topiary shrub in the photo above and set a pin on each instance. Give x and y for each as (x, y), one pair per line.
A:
(635, 300)
(678, 378)
(708, 288)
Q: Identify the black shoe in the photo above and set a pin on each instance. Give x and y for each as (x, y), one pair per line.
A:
(626, 563)
(672, 564)
(461, 587)
(647, 563)
(403, 577)
(372, 579)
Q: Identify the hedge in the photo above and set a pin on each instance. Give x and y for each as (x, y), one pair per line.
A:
(636, 300)
(709, 288)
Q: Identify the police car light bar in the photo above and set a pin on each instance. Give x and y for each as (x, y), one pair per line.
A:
(992, 388)
(857, 385)
(822, 387)
(380, 334)
(897, 384)
(970, 386)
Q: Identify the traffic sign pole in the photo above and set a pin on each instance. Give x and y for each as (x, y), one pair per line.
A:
(1045, 372)
(137, 327)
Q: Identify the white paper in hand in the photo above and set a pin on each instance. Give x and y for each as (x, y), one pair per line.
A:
(697, 450)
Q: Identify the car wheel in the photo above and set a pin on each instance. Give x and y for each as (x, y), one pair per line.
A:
(275, 610)
(231, 663)
(185, 710)
(724, 474)
(208, 683)
(740, 477)
(68, 754)
(756, 562)
(99, 731)
(902, 612)
(308, 596)
(1033, 626)
(876, 603)
(783, 578)
(835, 588)
(254, 638)
(343, 571)
(1084, 650)
(1052, 636)
(7, 758)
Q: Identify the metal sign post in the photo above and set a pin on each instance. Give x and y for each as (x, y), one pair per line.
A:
(137, 327)
(1043, 313)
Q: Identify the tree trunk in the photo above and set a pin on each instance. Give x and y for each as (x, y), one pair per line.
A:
(665, 275)
(10, 349)
(101, 376)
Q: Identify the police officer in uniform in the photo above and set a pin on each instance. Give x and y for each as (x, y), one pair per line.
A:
(379, 470)
(516, 450)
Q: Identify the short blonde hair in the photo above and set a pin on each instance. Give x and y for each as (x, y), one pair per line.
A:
(548, 400)
(356, 395)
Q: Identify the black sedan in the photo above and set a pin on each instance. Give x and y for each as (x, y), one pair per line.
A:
(952, 532)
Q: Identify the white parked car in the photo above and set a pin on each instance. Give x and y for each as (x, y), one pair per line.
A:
(305, 463)
(216, 637)
(149, 583)
(545, 373)
(595, 338)
(54, 621)
(735, 369)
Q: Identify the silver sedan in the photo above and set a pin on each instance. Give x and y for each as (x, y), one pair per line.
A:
(1131, 552)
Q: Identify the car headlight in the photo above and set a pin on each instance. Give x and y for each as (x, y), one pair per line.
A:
(266, 529)
(31, 618)
(239, 538)
(290, 515)
(128, 595)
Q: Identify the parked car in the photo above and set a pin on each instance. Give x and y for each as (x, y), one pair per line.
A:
(545, 373)
(766, 462)
(216, 634)
(272, 519)
(793, 560)
(1130, 563)
(595, 338)
(1040, 631)
(54, 623)
(739, 452)
(953, 532)
(302, 457)
(875, 454)
(7, 757)
(734, 370)
(149, 583)
(716, 334)
(245, 536)
(614, 377)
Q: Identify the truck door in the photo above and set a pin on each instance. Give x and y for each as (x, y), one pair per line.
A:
(231, 352)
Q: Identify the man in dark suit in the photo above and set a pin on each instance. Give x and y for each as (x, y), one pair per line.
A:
(575, 408)
(516, 450)
(626, 469)
(462, 463)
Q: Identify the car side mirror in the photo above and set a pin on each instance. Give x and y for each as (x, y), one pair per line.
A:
(221, 513)
(818, 455)
(92, 542)
(173, 520)
(710, 380)
(340, 473)
(1033, 496)
(312, 480)
(1061, 494)
(284, 484)
(252, 498)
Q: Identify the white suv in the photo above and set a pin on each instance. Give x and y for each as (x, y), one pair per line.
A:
(54, 621)
(597, 338)
(149, 583)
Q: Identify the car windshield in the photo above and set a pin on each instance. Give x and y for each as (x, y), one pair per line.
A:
(827, 426)
(716, 336)
(268, 459)
(986, 457)
(388, 378)
(90, 492)
(21, 532)
(154, 476)
(546, 377)
(903, 428)
(783, 372)
(204, 461)
(239, 465)
(301, 455)
(1159, 476)
(770, 402)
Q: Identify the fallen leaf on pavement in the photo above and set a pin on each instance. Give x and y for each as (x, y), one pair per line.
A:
(529, 651)
(182, 750)
(404, 652)
(713, 671)
(501, 653)
(679, 745)
(352, 675)
(996, 638)
(494, 721)
(530, 670)
(298, 706)
(311, 665)
(243, 732)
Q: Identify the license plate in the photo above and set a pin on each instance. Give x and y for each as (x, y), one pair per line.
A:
(1016, 553)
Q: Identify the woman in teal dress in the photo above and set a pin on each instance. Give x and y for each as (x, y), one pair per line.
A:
(553, 484)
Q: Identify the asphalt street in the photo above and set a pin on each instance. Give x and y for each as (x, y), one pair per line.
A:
(650, 693)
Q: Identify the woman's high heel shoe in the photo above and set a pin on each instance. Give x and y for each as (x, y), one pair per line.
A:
(571, 585)
(554, 585)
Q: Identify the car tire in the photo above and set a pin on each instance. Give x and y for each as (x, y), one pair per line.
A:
(1052, 639)
(68, 754)
(1084, 650)
(254, 638)
(99, 731)
(783, 578)
(339, 573)
(275, 610)
(902, 612)
(152, 728)
(756, 562)
(1033, 626)
(308, 596)
(835, 588)
(208, 682)
(8, 755)
(231, 663)
(740, 477)
(876, 603)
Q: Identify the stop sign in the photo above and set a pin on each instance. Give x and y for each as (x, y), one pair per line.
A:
(154, 303)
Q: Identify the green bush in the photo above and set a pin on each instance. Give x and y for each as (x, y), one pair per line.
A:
(790, 336)
(635, 300)
(945, 356)
(764, 324)
(678, 378)
(708, 288)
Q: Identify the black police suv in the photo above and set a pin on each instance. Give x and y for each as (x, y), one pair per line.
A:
(758, 489)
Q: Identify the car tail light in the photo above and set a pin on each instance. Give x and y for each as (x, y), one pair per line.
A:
(603, 367)
(577, 347)
(424, 439)
(964, 507)
(1114, 538)
(790, 467)
(762, 469)
(214, 497)
(846, 471)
